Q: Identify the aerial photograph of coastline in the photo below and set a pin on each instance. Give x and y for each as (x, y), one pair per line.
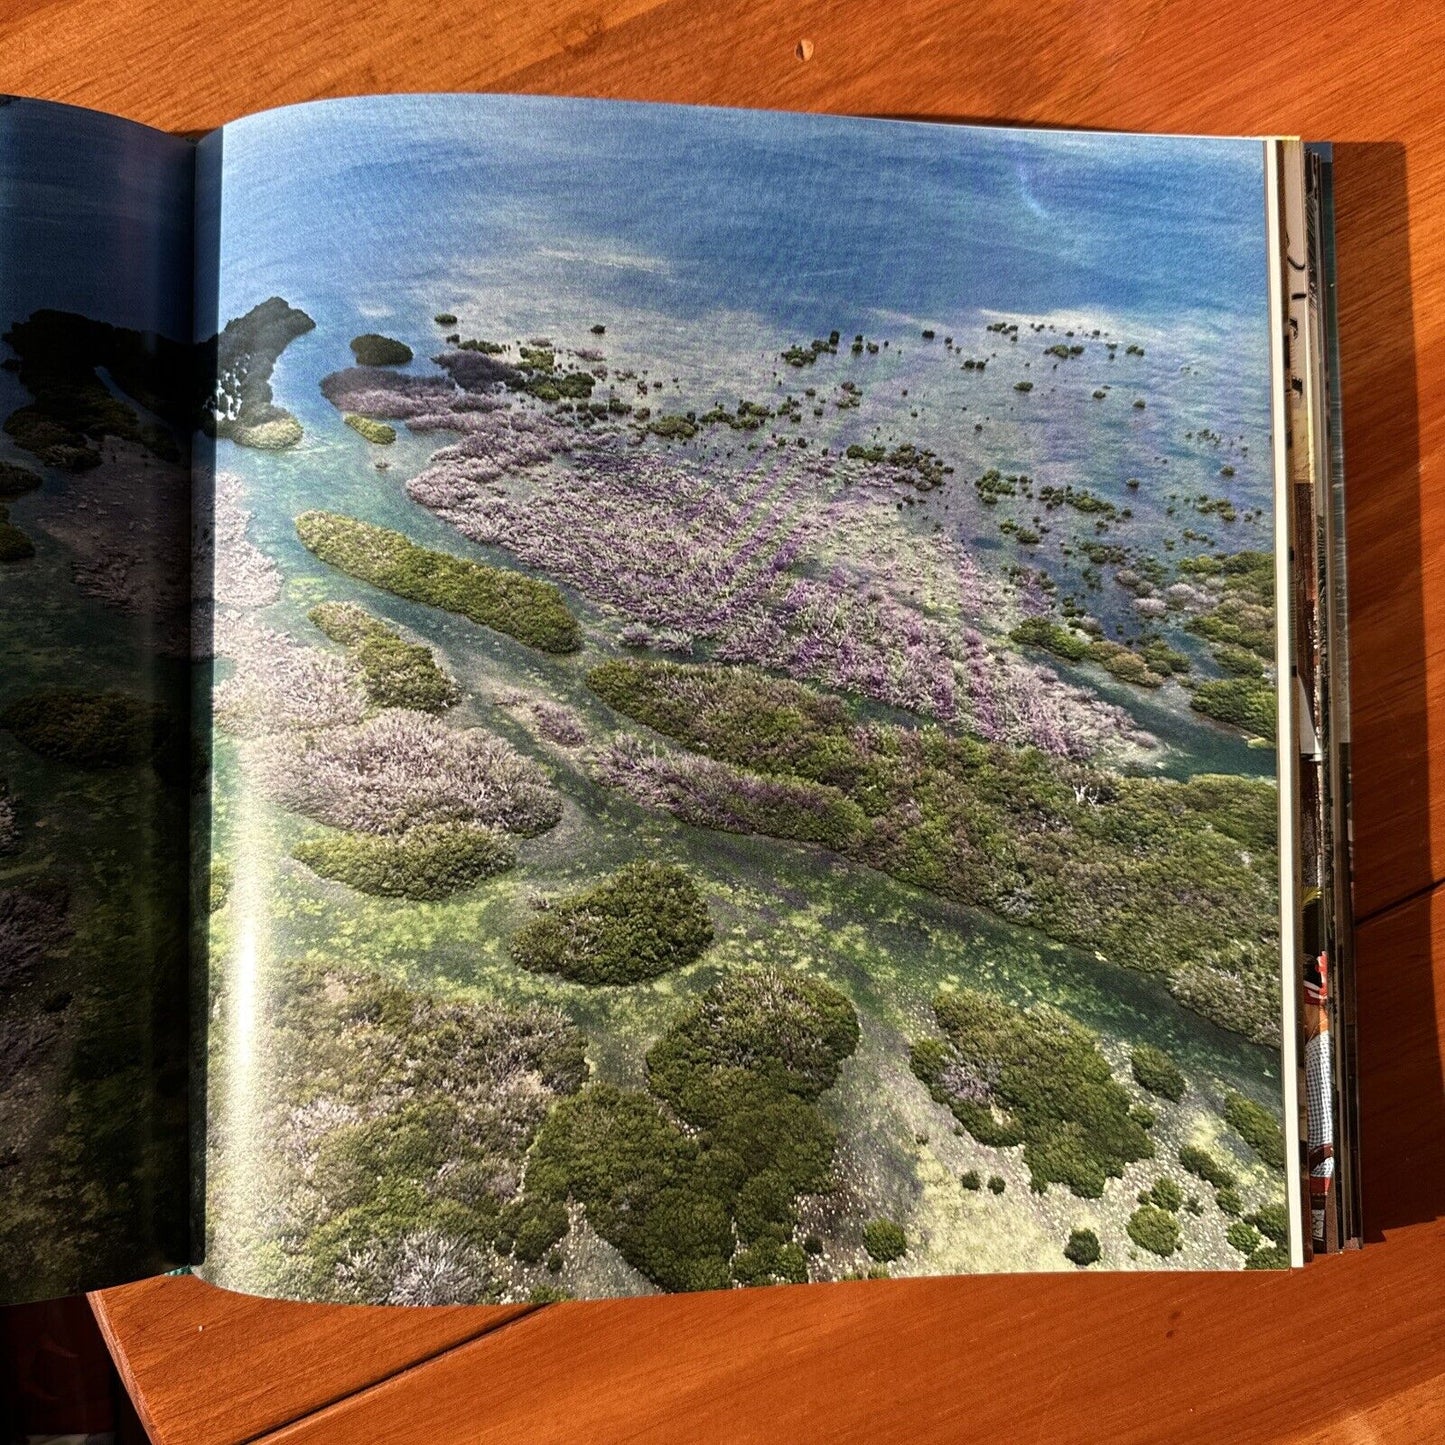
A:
(744, 703)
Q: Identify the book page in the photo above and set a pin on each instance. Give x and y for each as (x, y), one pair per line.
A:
(745, 703)
(98, 404)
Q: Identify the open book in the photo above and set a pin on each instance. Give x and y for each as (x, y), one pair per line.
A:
(603, 698)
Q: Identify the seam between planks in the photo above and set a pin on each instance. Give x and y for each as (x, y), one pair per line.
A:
(279, 1431)
(1414, 896)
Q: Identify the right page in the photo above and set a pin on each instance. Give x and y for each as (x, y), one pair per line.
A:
(746, 702)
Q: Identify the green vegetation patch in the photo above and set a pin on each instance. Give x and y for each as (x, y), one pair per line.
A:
(1272, 1256)
(411, 1157)
(1257, 1127)
(428, 863)
(1082, 1248)
(1043, 633)
(92, 730)
(374, 431)
(1157, 1072)
(1176, 878)
(394, 672)
(1154, 1229)
(645, 920)
(532, 611)
(1035, 1078)
(1243, 1237)
(1243, 702)
(789, 1029)
(884, 1240)
(1123, 663)
(1164, 1193)
(672, 427)
(1272, 1221)
(1204, 1165)
(715, 1203)
(371, 349)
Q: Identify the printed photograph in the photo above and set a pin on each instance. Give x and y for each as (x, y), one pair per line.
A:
(744, 703)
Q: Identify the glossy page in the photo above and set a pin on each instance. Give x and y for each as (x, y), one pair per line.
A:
(745, 705)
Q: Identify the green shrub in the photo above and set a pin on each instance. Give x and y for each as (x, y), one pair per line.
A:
(676, 1204)
(1204, 1165)
(373, 350)
(770, 1261)
(1228, 1200)
(1244, 702)
(884, 1240)
(1272, 1256)
(672, 428)
(91, 730)
(1044, 1072)
(1061, 641)
(426, 863)
(643, 921)
(970, 1179)
(1272, 1221)
(812, 1244)
(1164, 1194)
(394, 672)
(1157, 1072)
(1143, 1115)
(789, 1028)
(532, 611)
(1082, 1248)
(373, 431)
(445, 318)
(534, 1226)
(1124, 664)
(1154, 1229)
(996, 1184)
(1257, 1127)
(1238, 660)
(1243, 1237)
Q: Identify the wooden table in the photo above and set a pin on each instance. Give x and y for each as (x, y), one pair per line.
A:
(1346, 1350)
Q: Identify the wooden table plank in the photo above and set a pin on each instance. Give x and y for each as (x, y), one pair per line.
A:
(204, 1365)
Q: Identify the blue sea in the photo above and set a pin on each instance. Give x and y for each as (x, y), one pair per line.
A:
(707, 241)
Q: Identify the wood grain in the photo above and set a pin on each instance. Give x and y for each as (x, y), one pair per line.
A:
(1345, 1351)
(244, 1367)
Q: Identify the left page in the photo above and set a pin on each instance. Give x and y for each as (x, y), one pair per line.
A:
(97, 399)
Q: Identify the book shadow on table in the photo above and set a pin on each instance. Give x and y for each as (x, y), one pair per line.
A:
(1402, 1099)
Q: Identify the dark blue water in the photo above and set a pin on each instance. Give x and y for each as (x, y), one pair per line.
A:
(807, 220)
